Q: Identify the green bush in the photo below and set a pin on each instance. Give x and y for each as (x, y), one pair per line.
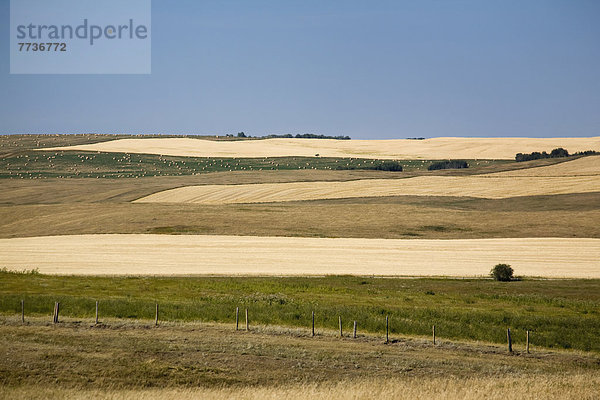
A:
(502, 272)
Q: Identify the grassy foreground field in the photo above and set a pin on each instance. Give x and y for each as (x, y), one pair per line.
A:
(556, 311)
(173, 361)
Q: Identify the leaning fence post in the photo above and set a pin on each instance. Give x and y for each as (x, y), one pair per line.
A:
(57, 312)
(23, 311)
(237, 318)
(313, 323)
(509, 340)
(387, 329)
(354, 334)
(434, 334)
(156, 316)
(96, 312)
(340, 320)
(246, 319)
(527, 342)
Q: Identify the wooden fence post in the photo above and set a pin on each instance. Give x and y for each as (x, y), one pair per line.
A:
(527, 342)
(246, 319)
(22, 311)
(387, 329)
(237, 318)
(509, 340)
(96, 312)
(434, 334)
(354, 334)
(340, 320)
(57, 312)
(156, 316)
(313, 323)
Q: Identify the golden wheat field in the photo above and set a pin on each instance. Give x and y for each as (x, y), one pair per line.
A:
(428, 149)
(282, 256)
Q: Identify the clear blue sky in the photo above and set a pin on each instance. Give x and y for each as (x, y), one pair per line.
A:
(368, 69)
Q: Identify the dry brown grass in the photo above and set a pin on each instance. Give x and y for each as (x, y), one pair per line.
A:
(429, 149)
(120, 360)
(580, 386)
(87, 190)
(252, 255)
(386, 217)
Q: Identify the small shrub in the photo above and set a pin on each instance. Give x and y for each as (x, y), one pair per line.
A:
(502, 273)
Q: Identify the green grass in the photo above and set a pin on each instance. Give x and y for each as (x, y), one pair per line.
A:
(560, 313)
(68, 164)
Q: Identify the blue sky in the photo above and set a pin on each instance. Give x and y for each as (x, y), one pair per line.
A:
(368, 69)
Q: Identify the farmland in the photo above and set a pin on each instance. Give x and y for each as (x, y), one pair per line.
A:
(557, 311)
(401, 149)
(75, 214)
(133, 360)
(483, 186)
(159, 254)
(195, 350)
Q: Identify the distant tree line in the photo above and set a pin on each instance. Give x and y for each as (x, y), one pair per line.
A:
(450, 164)
(536, 155)
(393, 166)
(306, 136)
(290, 136)
(556, 153)
(587, 153)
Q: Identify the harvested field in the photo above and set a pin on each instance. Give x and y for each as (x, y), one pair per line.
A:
(584, 166)
(488, 186)
(402, 217)
(577, 176)
(246, 255)
(428, 149)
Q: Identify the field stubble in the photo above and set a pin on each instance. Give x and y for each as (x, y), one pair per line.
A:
(156, 254)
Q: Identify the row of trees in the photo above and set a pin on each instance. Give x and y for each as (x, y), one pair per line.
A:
(450, 164)
(290, 136)
(536, 155)
(556, 153)
(393, 166)
(307, 136)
